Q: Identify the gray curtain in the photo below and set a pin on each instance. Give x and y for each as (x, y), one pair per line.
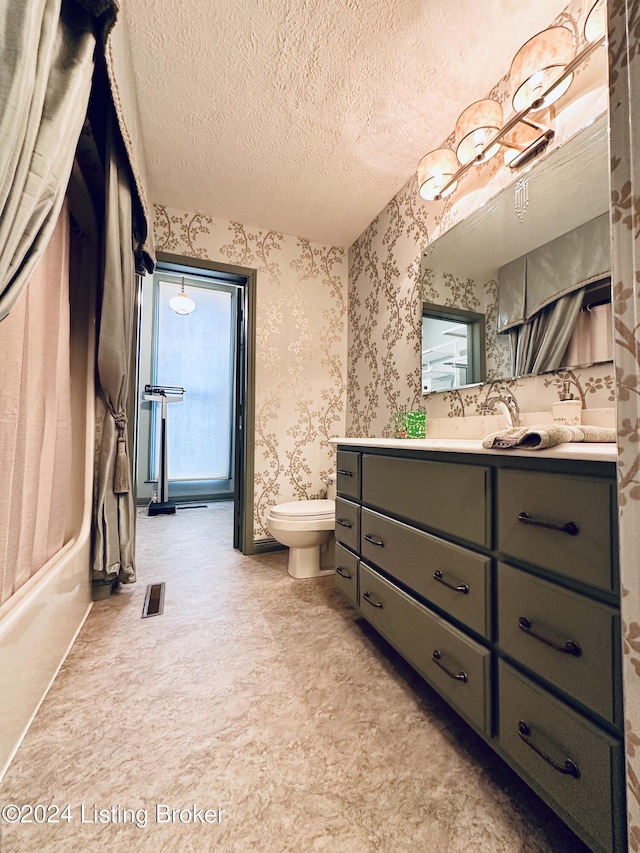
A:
(114, 508)
(512, 294)
(539, 344)
(573, 260)
(47, 71)
(541, 277)
(129, 248)
(46, 66)
(540, 295)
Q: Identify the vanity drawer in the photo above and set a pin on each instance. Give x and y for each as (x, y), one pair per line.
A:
(593, 798)
(584, 634)
(453, 664)
(441, 495)
(451, 577)
(348, 523)
(348, 474)
(558, 500)
(347, 573)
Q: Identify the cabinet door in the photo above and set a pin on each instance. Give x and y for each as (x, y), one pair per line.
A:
(567, 638)
(348, 523)
(571, 760)
(444, 496)
(558, 522)
(455, 665)
(347, 573)
(451, 577)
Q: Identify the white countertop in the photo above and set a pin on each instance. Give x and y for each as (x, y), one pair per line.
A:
(587, 451)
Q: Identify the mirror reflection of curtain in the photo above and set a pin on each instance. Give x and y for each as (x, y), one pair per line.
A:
(592, 340)
(540, 294)
(539, 344)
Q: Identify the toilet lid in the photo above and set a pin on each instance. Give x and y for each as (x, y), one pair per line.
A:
(305, 509)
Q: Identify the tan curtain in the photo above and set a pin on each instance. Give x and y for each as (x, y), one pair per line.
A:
(35, 419)
(46, 66)
(114, 509)
(592, 340)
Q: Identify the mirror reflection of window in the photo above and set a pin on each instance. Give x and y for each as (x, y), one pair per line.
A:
(451, 348)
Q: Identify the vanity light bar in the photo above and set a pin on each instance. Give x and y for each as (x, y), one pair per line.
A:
(538, 145)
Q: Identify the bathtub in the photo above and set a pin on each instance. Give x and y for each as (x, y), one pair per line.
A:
(39, 623)
(38, 626)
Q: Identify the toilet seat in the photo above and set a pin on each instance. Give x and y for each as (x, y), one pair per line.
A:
(314, 510)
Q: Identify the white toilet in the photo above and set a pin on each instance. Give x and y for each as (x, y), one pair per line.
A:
(306, 528)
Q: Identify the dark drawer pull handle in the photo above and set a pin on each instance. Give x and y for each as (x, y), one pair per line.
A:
(344, 522)
(569, 648)
(461, 587)
(570, 527)
(343, 573)
(569, 768)
(367, 597)
(460, 676)
(374, 540)
(345, 473)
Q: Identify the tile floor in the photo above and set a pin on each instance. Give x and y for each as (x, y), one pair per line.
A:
(266, 698)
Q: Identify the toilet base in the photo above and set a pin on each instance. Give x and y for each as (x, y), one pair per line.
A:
(308, 563)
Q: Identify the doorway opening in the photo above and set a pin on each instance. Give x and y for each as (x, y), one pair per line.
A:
(210, 354)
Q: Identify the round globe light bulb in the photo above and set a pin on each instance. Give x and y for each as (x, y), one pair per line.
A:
(182, 304)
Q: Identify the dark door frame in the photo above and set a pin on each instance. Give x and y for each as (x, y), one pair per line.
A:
(244, 409)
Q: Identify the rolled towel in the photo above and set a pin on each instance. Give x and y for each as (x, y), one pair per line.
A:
(547, 435)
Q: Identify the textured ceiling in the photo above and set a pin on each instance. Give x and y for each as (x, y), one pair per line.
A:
(307, 116)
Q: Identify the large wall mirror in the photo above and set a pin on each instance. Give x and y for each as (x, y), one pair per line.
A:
(561, 194)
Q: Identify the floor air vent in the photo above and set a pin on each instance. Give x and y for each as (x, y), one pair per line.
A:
(153, 600)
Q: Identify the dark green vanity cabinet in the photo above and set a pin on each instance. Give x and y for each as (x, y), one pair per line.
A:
(496, 577)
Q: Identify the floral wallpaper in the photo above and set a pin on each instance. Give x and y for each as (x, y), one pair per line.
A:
(386, 283)
(300, 347)
(624, 83)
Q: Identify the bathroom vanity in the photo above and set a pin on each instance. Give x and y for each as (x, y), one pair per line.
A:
(495, 574)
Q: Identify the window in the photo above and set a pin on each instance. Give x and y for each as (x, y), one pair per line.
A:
(195, 352)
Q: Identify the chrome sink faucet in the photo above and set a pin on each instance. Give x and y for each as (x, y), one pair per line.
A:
(507, 405)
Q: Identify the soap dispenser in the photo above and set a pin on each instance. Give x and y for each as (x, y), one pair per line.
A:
(567, 411)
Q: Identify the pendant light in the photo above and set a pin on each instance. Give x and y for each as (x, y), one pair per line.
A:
(181, 303)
